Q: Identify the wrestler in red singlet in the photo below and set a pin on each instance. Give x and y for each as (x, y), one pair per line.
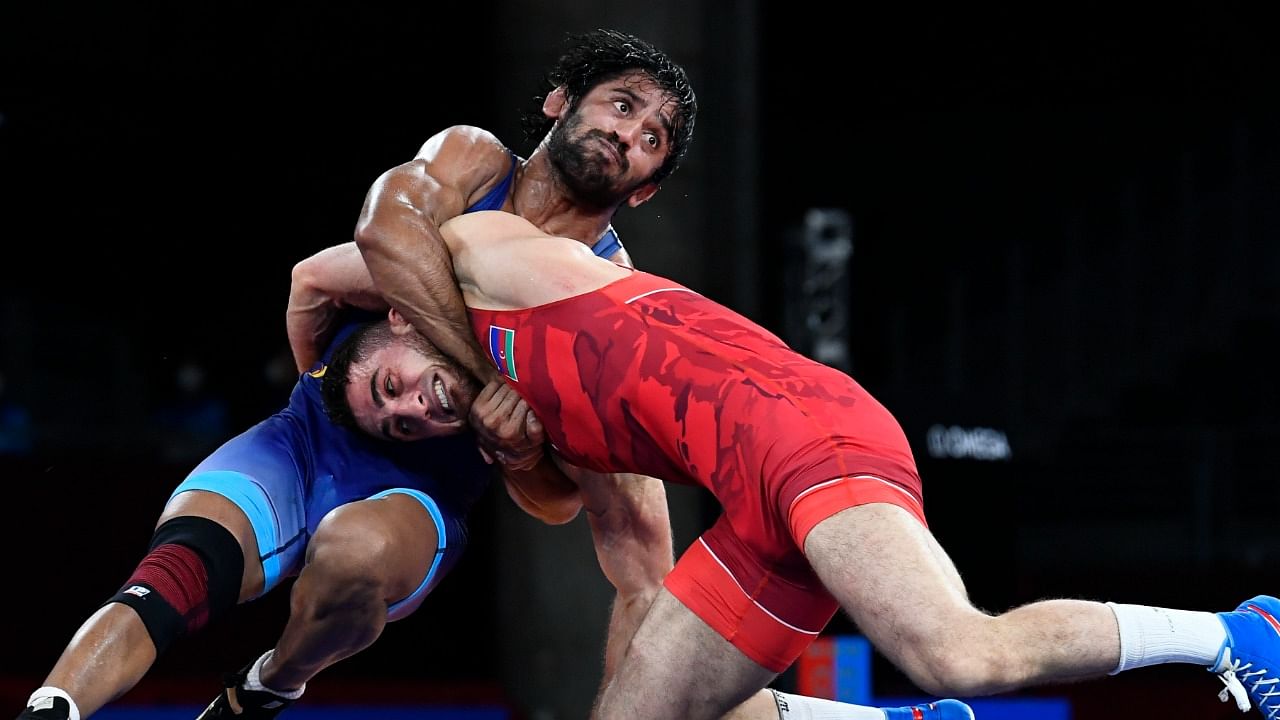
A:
(647, 376)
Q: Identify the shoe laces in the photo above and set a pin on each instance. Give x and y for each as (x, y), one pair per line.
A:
(1235, 674)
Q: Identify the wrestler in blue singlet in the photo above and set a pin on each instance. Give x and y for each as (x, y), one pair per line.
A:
(287, 472)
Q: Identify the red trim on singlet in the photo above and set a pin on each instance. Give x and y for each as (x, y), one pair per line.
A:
(643, 375)
(826, 499)
(703, 584)
(628, 289)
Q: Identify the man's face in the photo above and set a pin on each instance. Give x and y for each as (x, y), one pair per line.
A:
(612, 142)
(407, 390)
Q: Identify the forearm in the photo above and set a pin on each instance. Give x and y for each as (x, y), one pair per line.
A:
(631, 528)
(308, 320)
(632, 532)
(321, 285)
(544, 492)
(416, 279)
(411, 267)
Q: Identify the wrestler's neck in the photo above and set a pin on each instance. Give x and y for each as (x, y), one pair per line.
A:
(541, 197)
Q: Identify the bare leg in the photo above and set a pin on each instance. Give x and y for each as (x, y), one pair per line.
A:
(365, 556)
(677, 666)
(108, 655)
(897, 584)
(112, 650)
(760, 706)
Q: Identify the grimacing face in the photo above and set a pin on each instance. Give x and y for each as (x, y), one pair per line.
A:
(614, 139)
(407, 390)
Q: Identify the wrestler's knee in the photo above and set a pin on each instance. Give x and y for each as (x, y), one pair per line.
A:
(967, 663)
(191, 575)
(350, 558)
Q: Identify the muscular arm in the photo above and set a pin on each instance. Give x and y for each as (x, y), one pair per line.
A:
(399, 237)
(630, 524)
(632, 532)
(544, 492)
(321, 285)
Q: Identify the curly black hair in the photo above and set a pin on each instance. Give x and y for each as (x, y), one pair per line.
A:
(601, 55)
(354, 349)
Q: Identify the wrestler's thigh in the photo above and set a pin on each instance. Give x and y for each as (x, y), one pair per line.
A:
(389, 540)
(891, 576)
(678, 667)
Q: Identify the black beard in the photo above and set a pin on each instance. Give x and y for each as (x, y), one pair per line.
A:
(583, 168)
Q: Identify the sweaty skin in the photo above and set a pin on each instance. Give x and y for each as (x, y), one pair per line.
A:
(677, 664)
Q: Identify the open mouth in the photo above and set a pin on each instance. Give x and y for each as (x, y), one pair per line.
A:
(444, 403)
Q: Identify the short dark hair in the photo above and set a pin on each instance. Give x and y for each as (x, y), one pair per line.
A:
(601, 55)
(354, 349)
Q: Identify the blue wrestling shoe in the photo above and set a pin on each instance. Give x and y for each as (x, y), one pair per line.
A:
(1249, 662)
(940, 710)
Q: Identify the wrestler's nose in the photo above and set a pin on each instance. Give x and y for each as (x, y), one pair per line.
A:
(413, 404)
(628, 134)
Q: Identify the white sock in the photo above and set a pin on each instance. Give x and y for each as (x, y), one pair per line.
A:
(1154, 636)
(42, 699)
(799, 707)
(254, 680)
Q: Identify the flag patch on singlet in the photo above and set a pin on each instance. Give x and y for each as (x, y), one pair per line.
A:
(502, 346)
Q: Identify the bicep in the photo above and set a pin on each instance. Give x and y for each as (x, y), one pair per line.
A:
(450, 170)
(411, 193)
(463, 163)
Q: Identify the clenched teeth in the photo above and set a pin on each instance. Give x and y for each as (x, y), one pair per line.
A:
(438, 386)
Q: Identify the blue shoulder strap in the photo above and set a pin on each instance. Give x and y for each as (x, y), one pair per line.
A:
(493, 199)
(608, 244)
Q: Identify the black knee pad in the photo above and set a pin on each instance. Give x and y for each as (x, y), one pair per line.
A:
(191, 575)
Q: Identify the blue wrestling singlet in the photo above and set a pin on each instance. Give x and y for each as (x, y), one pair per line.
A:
(288, 471)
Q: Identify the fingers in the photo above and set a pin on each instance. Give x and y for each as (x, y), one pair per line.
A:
(480, 406)
(507, 399)
(533, 427)
(488, 403)
(511, 411)
(489, 390)
(513, 427)
(508, 431)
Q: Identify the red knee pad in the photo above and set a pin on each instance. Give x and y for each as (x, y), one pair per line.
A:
(191, 575)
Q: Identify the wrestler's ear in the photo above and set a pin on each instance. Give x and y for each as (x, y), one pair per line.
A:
(642, 194)
(399, 326)
(557, 103)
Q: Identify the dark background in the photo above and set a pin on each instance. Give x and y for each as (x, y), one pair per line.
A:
(1066, 225)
